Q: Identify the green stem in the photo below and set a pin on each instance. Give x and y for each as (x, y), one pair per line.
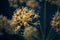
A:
(51, 34)
(44, 19)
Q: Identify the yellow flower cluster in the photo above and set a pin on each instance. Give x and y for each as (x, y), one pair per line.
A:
(24, 16)
(56, 22)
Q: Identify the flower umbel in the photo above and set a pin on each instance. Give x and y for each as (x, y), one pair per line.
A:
(26, 17)
(56, 22)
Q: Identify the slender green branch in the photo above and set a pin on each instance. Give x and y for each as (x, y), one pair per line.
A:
(44, 19)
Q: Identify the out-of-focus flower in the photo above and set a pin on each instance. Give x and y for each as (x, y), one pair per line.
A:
(26, 17)
(32, 3)
(3, 21)
(4, 24)
(22, 1)
(30, 33)
(13, 3)
(56, 22)
(57, 2)
(40, 0)
(29, 3)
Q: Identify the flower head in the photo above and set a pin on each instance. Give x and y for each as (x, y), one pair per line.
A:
(56, 22)
(26, 17)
